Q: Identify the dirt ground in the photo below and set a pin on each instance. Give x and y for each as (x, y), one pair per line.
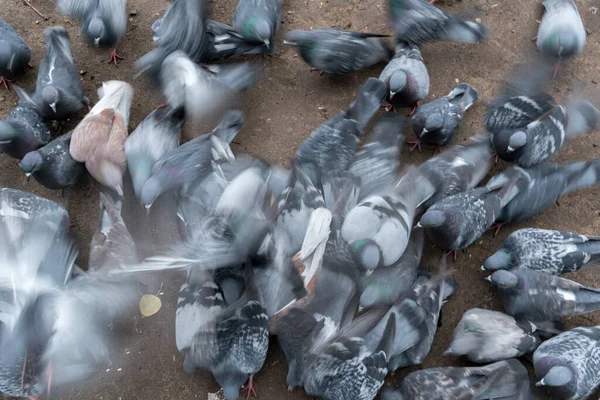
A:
(281, 112)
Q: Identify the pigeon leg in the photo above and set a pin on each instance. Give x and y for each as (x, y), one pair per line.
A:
(114, 57)
(414, 108)
(250, 388)
(91, 188)
(389, 107)
(49, 372)
(4, 81)
(438, 149)
(534, 38)
(23, 373)
(416, 143)
(497, 227)
(454, 254)
(556, 68)
(495, 155)
(163, 105)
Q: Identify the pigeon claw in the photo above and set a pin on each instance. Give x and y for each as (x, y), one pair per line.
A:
(497, 228)
(114, 57)
(5, 81)
(438, 149)
(250, 388)
(414, 108)
(416, 144)
(389, 107)
(454, 254)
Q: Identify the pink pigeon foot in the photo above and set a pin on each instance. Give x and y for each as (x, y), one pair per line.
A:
(114, 57)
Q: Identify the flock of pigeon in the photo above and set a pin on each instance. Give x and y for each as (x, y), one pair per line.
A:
(325, 256)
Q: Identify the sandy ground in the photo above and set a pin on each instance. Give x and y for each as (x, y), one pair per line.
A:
(281, 112)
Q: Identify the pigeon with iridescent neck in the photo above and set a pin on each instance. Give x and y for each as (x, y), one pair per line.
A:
(258, 21)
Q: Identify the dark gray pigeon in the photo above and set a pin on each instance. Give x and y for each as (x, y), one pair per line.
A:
(416, 21)
(258, 21)
(406, 77)
(338, 137)
(485, 336)
(385, 285)
(338, 52)
(14, 54)
(24, 129)
(155, 136)
(437, 122)
(457, 221)
(182, 166)
(376, 164)
(103, 22)
(455, 170)
(58, 90)
(568, 364)
(535, 296)
(503, 380)
(52, 165)
(542, 185)
(223, 42)
(542, 250)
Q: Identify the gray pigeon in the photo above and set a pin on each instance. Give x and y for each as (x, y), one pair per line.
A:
(568, 364)
(455, 170)
(155, 136)
(486, 336)
(503, 380)
(378, 228)
(103, 22)
(561, 33)
(52, 165)
(258, 21)
(376, 164)
(204, 91)
(457, 221)
(237, 348)
(58, 90)
(406, 77)
(222, 42)
(182, 166)
(338, 52)
(542, 185)
(385, 285)
(437, 122)
(14, 54)
(416, 21)
(542, 250)
(540, 297)
(24, 129)
(338, 137)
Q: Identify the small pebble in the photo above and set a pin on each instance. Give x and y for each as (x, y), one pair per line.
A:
(37, 22)
(2, 99)
(133, 13)
(82, 72)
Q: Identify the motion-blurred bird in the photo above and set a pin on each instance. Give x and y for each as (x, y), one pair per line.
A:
(437, 122)
(98, 140)
(52, 165)
(258, 21)
(485, 336)
(14, 54)
(338, 52)
(58, 90)
(24, 129)
(103, 22)
(547, 251)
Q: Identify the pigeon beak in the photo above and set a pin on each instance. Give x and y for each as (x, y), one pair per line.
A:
(489, 278)
(53, 107)
(482, 268)
(510, 149)
(5, 141)
(392, 93)
(418, 225)
(540, 383)
(147, 206)
(448, 352)
(27, 174)
(267, 42)
(97, 42)
(119, 190)
(286, 42)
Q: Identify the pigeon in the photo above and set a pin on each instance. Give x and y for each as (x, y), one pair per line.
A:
(14, 54)
(181, 29)
(387, 284)
(28, 207)
(457, 221)
(567, 365)
(378, 228)
(436, 123)
(416, 21)
(406, 76)
(258, 21)
(99, 139)
(52, 165)
(155, 136)
(338, 137)
(237, 348)
(561, 33)
(203, 91)
(542, 185)
(536, 296)
(338, 52)
(179, 168)
(222, 42)
(58, 91)
(24, 129)
(486, 336)
(103, 22)
(455, 170)
(377, 162)
(502, 380)
(548, 251)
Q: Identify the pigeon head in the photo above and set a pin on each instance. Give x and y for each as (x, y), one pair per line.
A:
(463, 345)
(509, 145)
(499, 260)
(434, 122)
(397, 82)
(96, 30)
(32, 162)
(367, 253)
(6, 54)
(8, 133)
(561, 44)
(50, 97)
(293, 379)
(432, 219)
(264, 32)
(297, 37)
(505, 280)
(557, 377)
(155, 186)
(232, 382)
(516, 141)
